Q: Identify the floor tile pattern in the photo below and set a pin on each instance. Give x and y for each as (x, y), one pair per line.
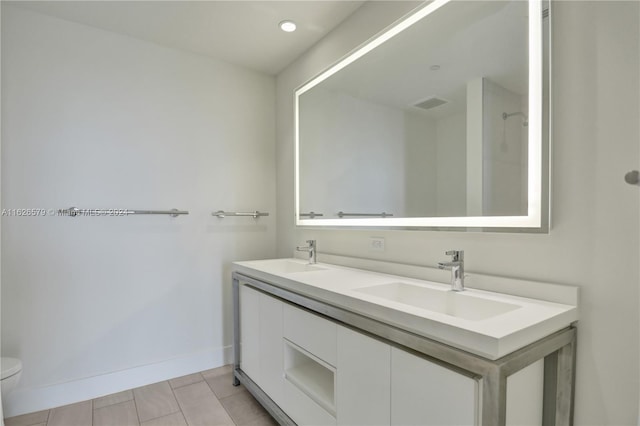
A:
(202, 399)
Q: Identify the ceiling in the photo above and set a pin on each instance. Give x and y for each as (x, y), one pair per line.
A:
(463, 41)
(240, 32)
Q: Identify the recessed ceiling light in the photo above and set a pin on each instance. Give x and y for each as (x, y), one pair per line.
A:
(287, 26)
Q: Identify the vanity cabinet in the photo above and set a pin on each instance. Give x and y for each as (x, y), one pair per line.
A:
(323, 373)
(310, 363)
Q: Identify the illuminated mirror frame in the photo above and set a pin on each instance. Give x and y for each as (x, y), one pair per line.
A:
(536, 220)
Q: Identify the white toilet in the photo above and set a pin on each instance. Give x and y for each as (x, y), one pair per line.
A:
(11, 372)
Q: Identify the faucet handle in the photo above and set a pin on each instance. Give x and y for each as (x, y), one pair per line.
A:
(312, 243)
(456, 254)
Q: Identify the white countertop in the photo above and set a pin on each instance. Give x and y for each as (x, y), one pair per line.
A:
(494, 337)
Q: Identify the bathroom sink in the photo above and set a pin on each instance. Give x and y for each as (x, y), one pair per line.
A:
(456, 304)
(286, 266)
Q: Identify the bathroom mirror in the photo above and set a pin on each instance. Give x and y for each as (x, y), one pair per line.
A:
(439, 122)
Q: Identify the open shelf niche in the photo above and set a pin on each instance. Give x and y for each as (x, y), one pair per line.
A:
(311, 375)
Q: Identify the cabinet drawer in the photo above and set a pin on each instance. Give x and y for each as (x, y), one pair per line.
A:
(314, 334)
(302, 409)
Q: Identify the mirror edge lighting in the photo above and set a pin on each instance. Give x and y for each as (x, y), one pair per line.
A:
(537, 219)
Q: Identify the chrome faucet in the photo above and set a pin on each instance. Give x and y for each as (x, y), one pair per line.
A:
(311, 248)
(457, 269)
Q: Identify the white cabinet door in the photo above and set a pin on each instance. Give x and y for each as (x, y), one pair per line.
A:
(363, 380)
(271, 347)
(424, 393)
(250, 332)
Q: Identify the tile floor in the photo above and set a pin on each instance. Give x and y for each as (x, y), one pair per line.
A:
(201, 399)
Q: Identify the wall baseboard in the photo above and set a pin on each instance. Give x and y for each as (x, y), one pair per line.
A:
(29, 400)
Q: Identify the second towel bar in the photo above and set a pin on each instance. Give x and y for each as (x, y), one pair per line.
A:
(383, 214)
(311, 215)
(222, 214)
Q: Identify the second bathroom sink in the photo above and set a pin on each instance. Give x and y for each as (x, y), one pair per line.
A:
(456, 304)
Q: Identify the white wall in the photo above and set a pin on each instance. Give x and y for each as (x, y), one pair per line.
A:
(420, 164)
(409, 164)
(360, 137)
(594, 240)
(98, 120)
(451, 191)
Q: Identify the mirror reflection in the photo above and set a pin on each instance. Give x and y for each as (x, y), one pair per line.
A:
(432, 123)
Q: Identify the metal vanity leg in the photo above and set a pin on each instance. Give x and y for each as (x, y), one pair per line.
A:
(236, 329)
(565, 384)
(559, 385)
(494, 398)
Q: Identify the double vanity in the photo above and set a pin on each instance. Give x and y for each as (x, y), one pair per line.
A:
(329, 344)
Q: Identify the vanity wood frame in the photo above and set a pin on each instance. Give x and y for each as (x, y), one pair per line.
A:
(557, 349)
